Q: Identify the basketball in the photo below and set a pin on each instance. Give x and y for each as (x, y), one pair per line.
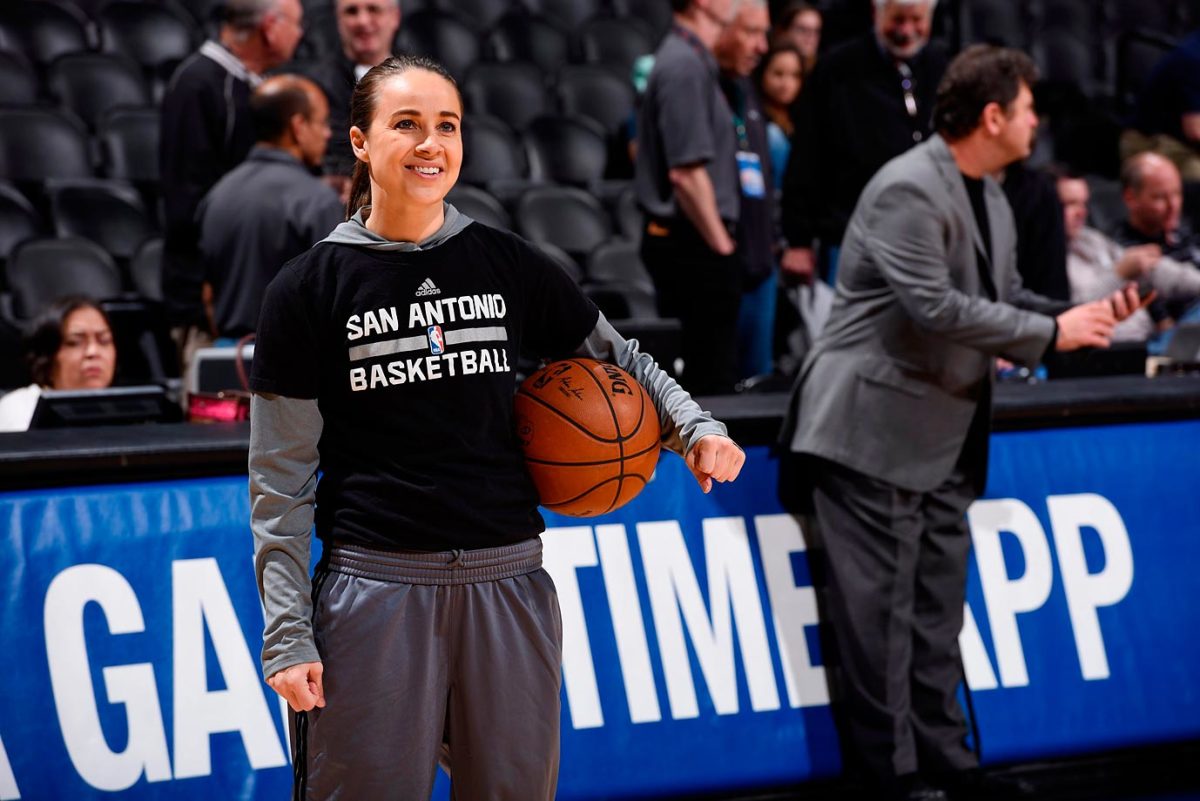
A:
(590, 435)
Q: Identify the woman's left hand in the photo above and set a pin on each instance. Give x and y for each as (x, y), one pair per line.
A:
(715, 458)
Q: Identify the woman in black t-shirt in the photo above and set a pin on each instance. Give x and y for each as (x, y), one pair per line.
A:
(429, 630)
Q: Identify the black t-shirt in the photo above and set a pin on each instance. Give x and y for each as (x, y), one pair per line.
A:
(410, 357)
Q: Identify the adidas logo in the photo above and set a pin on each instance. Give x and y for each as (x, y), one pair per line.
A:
(427, 288)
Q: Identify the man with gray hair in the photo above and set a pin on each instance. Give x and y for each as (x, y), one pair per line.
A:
(867, 101)
(206, 132)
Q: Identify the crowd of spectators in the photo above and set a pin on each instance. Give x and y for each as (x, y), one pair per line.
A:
(754, 133)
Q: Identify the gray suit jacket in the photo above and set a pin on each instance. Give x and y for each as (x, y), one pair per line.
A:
(893, 382)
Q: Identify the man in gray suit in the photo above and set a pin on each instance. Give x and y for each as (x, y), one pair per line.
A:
(891, 416)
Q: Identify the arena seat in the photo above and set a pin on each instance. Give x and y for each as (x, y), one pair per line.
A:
(129, 144)
(479, 205)
(18, 220)
(615, 43)
(90, 84)
(993, 21)
(1106, 209)
(566, 149)
(106, 212)
(567, 14)
(44, 29)
(43, 270)
(630, 220)
(618, 262)
(596, 93)
(37, 144)
(1066, 60)
(154, 35)
(624, 302)
(440, 35)
(145, 269)
(491, 152)
(513, 92)
(1137, 55)
(518, 36)
(655, 14)
(564, 216)
(562, 259)
(480, 14)
(18, 85)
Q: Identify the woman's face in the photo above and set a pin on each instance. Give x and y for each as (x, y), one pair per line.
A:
(414, 144)
(781, 79)
(87, 357)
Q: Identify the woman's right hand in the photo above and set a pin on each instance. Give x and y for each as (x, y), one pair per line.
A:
(300, 685)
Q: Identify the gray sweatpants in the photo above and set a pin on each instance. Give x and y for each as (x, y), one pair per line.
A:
(428, 657)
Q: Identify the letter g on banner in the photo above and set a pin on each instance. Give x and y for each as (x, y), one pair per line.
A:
(132, 685)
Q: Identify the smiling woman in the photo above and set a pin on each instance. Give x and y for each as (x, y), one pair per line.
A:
(429, 630)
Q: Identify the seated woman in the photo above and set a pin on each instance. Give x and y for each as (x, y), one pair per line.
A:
(69, 346)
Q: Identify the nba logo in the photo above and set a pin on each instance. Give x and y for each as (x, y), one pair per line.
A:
(437, 340)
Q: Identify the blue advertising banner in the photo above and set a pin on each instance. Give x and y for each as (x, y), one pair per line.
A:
(131, 624)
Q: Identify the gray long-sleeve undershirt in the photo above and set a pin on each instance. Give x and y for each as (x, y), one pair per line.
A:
(284, 433)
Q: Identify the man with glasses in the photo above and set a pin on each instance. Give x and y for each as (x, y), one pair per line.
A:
(206, 132)
(866, 102)
(366, 30)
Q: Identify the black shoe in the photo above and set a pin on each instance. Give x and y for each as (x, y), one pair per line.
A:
(910, 787)
(975, 785)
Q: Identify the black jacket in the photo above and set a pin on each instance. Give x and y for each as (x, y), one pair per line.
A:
(851, 119)
(335, 75)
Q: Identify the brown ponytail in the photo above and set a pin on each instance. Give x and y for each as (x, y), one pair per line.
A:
(362, 109)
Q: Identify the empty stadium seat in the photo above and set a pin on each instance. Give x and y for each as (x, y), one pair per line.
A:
(615, 44)
(42, 270)
(521, 37)
(655, 14)
(562, 259)
(1106, 209)
(618, 262)
(596, 93)
(567, 14)
(44, 29)
(129, 143)
(1137, 55)
(107, 213)
(515, 92)
(624, 302)
(37, 144)
(566, 149)
(145, 268)
(153, 35)
(491, 152)
(630, 220)
(440, 35)
(480, 14)
(18, 220)
(90, 84)
(18, 85)
(993, 21)
(479, 205)
(564, 216)
(1065, 59)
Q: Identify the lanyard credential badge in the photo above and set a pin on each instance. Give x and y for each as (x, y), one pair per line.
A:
(750, 172)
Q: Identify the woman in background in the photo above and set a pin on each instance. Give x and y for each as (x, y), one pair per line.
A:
(779, 80)
(69, 346)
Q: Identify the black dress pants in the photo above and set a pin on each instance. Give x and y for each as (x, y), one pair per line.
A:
(703, 290)
(896, 568)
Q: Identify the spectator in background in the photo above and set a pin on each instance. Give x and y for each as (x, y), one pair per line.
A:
(867, 101)
(779, 78)
(69, 346)
(1098, 266)
(269, 208)
(738, 50)
(206, 132)
(1041, 242)
(1167, 119)
(1153, 193)
(367, 30)
(800, 24)
(686, 180)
